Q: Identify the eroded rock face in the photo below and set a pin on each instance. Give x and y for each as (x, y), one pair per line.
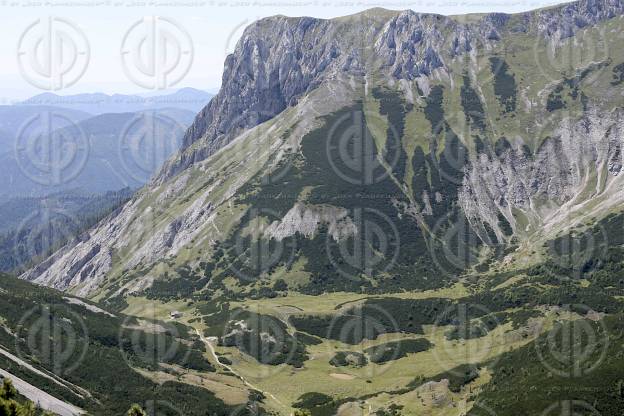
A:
(280, 59)
(275, 62)
(84, 263)
(567, 165)
(306, 220)
(564, 21)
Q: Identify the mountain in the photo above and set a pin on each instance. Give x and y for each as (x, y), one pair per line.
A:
(102, 153)
(189, 99)
(461, 130)
(400, 212)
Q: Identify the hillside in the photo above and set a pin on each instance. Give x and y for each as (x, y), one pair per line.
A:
(458, 132)
(102, 362)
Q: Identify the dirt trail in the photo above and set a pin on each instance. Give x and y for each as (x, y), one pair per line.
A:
(231, 370)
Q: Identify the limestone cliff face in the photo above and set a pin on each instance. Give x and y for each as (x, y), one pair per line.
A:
(577, 167)
(287, 73)
(564, 21)
(280, 59)
(276, 62)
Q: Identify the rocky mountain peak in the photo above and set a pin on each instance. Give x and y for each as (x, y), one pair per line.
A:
(279, 59)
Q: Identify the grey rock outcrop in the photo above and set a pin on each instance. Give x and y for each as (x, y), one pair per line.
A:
(546, 185)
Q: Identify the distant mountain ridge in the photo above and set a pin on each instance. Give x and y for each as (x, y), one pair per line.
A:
(116, 150)
(14, 118)
(190, 99)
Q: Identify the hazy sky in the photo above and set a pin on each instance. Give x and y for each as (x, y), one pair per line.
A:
(93, 32)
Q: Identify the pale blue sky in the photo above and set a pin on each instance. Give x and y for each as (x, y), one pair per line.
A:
(213, 26)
